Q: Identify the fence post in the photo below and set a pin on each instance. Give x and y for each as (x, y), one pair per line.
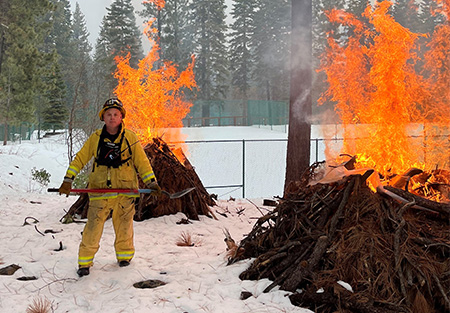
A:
(317, 150)
(243, 168)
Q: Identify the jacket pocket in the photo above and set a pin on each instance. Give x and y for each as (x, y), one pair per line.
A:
(98, 177)
(125, 176)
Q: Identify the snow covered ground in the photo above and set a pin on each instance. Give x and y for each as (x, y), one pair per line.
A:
(197, 278)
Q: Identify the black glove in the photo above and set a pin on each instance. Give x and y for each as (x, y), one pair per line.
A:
(155, 187)
(66, 186)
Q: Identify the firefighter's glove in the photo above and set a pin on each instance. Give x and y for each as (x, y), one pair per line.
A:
(66, 186)
(155, 187)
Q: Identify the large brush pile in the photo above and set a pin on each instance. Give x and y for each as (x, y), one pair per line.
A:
(394, 255)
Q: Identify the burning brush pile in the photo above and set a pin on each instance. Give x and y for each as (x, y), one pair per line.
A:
(153, 95)
(359, 237)
(392, 247)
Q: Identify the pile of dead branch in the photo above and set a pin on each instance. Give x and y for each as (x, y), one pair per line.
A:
(394, 254)
(173, 176)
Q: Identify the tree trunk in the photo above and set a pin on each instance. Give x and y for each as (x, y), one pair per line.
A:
(8, 103)
(5, 132)
(298, 148)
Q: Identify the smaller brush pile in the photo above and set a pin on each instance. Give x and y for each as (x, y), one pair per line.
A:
(395, 255)
(173, 175)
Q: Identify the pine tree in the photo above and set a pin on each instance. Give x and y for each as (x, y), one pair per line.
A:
(22, 60)
(211, 65)
(102, 70)
(119, 36)
(55, 115)
(430, 16)
(83, 105)
(241, 52)
(406, 13)
(321, 27)
(60, 41)
(357, 7)
(173, 36)
(435, 52)
(84, 100)
(272, 38)
(60, 36)
(80, 32)
(4, 6)
(322, 30)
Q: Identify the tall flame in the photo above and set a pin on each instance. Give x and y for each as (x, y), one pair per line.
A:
(380, 97)
(159, 3)
(153, 96)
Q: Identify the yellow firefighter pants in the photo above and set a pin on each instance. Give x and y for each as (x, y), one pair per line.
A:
(122, 218)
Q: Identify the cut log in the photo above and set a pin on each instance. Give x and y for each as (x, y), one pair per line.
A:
(442, 208)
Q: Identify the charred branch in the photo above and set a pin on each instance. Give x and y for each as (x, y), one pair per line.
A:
(442, 208)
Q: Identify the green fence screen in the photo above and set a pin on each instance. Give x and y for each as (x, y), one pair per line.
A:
(237, 112)
(19, 132)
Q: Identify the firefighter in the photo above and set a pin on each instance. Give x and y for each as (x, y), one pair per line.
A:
(118, 157)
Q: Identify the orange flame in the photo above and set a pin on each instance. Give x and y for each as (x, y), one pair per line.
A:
(153, 96)
(380, 97)
(159, 3)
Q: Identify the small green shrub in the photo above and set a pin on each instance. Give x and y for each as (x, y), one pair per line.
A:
(41, 176)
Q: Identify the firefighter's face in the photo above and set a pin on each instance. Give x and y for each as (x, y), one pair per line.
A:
(112, 117)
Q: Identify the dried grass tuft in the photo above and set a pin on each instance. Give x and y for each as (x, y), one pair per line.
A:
(185, 240)
(39, 305)
(234, 252)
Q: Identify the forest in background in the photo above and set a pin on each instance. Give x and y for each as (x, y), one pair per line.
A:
(52, 76)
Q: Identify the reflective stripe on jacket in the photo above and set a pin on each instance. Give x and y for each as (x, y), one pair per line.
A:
(123, 177)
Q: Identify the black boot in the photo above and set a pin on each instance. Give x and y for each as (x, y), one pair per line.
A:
(124, 263)
(83, 271)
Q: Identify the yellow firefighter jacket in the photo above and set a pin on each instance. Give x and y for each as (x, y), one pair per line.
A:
(122, 177)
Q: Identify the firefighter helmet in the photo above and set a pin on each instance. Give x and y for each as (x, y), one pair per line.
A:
(112, 103)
